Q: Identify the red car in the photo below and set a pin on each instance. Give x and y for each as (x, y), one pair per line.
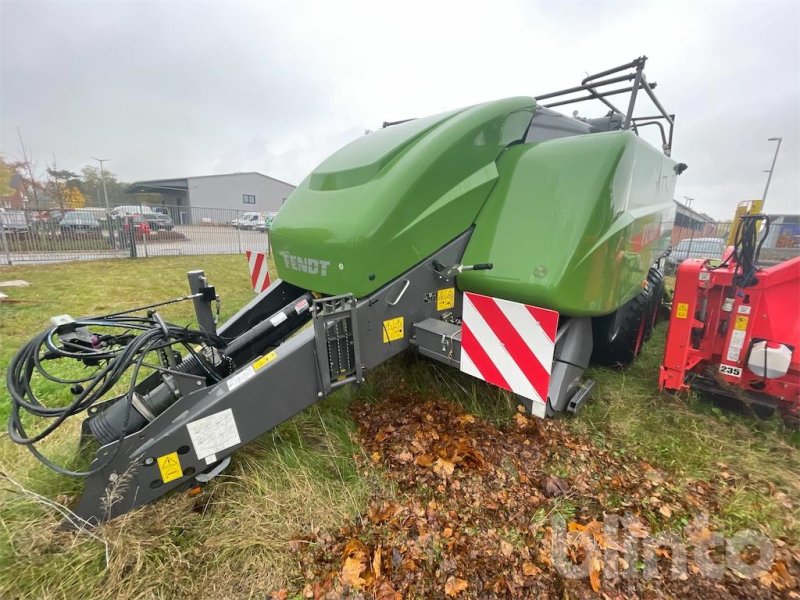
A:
(140, 225)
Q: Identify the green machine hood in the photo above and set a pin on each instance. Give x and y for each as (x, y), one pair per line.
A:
(386, 201)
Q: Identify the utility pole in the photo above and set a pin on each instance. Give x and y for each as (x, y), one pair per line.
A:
(103, 176)
(772, 168)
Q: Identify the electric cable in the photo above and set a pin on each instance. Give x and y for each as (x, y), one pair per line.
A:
(113, 354)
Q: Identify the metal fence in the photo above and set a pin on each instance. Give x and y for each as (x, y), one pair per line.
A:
(701, 230)
(775, 249)
(38, 237)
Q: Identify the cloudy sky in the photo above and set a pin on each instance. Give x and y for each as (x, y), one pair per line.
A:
(179, 88)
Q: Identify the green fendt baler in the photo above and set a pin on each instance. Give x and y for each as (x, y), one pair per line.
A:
(503, 239)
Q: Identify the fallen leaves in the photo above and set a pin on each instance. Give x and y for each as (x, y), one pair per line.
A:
(778, 577)
(595, 568)
(356, 559)
(443, 468)
(454, 586)
(471, 506)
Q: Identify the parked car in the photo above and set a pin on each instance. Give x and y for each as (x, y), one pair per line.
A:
(707, 248)
(13, 221)
(157, 217)
(79, 222)
(140, 225)
(157, 221)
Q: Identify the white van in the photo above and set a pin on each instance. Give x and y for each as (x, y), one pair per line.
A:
(249, 220)
(128, 210)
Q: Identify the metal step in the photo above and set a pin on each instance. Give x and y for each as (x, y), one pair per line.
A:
(581, 395)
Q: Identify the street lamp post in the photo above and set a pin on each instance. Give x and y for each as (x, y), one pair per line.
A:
(771, 169)
(103, 176)
(689, 202)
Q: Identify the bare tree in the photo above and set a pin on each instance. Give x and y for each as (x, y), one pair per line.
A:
(27, 163)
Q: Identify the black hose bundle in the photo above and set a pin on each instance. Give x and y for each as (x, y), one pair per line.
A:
(113, 355)
(746, 249)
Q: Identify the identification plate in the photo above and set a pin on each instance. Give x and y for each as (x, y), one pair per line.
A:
(213, 433)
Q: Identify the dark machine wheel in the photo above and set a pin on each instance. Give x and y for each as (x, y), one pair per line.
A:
(618, 337)
(655, 280)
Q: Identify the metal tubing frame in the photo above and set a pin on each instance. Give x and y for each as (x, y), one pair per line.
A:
(593, 84)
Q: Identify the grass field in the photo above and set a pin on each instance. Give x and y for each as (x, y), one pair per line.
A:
(237, 539)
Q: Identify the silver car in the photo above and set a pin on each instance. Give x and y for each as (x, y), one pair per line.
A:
(706, 248)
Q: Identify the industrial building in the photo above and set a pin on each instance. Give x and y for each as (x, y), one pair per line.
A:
(216, 197)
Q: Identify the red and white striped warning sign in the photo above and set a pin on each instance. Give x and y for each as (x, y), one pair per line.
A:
(259, 270)
(509, 345)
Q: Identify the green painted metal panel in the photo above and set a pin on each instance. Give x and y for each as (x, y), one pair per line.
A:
(386, 201)
(573, 223)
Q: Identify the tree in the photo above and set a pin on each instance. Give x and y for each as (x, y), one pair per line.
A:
(7, 171)
(73, 198)
(91, 184)
(59, 180)
(30, 187)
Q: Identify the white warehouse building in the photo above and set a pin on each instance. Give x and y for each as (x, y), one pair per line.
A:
(216, 197)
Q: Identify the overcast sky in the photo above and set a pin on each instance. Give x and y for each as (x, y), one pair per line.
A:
(182, 88)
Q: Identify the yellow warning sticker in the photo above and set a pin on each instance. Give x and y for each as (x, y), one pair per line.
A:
(170, 467)
(741, 323)
(392, 329)
(267, 358)
(445, 298)
(682, 311)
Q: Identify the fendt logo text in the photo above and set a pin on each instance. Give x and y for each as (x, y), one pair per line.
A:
(312, 266)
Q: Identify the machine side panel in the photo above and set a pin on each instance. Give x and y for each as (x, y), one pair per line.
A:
(391, 198)
(573, 223)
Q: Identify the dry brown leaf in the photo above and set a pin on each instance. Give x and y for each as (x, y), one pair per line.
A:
(376, 562)
(384, 513)
(356, 559)
(666, 511)
(521, 419)
(575, 526)
(351, 572)
(355, 549)
(424, 460)
(376, 457)
(281, 594)
(443, 468)
(636, 529)
(530, 570)
(778, 576)
(464, 419)
(385, 591)
(454, 586)
(506, 548)
(404, 456)
(595, 566)
(448, 532)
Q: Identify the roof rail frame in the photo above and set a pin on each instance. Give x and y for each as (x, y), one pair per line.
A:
(594, 84)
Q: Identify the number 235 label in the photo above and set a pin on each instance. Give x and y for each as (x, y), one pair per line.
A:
(730, 371)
